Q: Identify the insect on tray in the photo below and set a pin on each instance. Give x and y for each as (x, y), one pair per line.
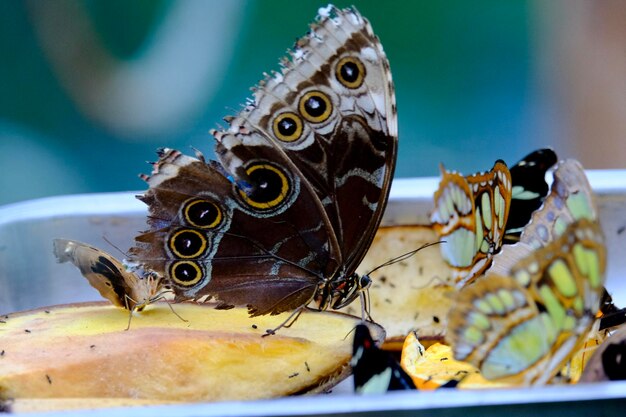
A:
(35, 281)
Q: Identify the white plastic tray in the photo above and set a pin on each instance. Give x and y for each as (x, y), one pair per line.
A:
(30, 278)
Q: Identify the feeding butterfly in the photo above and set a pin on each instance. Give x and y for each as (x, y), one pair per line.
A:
(470, 215)
(525, 319)
(288, 211)
(122, 287)
(375, 370)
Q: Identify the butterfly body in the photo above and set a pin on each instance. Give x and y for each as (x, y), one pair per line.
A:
(287, 212)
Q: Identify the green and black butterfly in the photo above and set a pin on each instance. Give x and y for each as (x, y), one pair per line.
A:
(525, 319)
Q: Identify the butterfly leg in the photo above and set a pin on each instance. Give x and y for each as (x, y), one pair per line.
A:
(130, 310)
(364, 297)
(289, 321)
(175, 313)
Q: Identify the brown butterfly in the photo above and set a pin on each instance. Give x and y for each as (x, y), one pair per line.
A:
(122, 287)
(288, 211)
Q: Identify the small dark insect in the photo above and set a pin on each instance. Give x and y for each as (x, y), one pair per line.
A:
(92, 346)
(294, 375)
(2, 353)
(382, 279)
(436, 319)
(307, 367)
(6, 316)
(254, 326)
(443, 359)
(27, 331)
(621, 230)
(49, 379)
(47, 311)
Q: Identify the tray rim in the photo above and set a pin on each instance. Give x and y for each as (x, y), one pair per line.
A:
(603, 182)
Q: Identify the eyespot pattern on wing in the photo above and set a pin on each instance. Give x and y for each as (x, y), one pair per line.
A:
(301, 180)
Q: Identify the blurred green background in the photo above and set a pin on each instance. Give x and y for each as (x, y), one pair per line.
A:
(89, 89)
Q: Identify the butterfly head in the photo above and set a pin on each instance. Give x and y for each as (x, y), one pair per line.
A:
(343, 292)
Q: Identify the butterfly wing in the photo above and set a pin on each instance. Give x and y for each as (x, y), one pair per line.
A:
(210, 238)
(529, 190)
(303, 177)
(524, 326)
(470, 215)
(570, 199)
(375, 371)
(105, 273)
(332, 112)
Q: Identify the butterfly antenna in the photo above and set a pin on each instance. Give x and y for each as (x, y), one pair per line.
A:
(404, 256)
(114, 246)
(349, 333)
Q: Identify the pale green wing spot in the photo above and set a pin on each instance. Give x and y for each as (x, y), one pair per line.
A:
(569, 323)
(484, 246)
(588, 263)
(479, 320)
(473, 335)
(507, 299)
(533, 267)
(524, 345)
(485, 206)
(446, 209)
(500, 204)
(483, 306)
(578, 304)
(495, 303)
(563, 278)
(580, 206)
(560, 226)
(553, 306)
(459, 248)
(519, 193)
(523, 277)
(580, 257)
(550, 331)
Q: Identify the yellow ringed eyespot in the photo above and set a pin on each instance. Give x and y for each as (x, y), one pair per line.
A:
(315, 106)
(287, 127)
(187, 243)
(185, 273)
(203, 214)
(350, 72)
(270, 186)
